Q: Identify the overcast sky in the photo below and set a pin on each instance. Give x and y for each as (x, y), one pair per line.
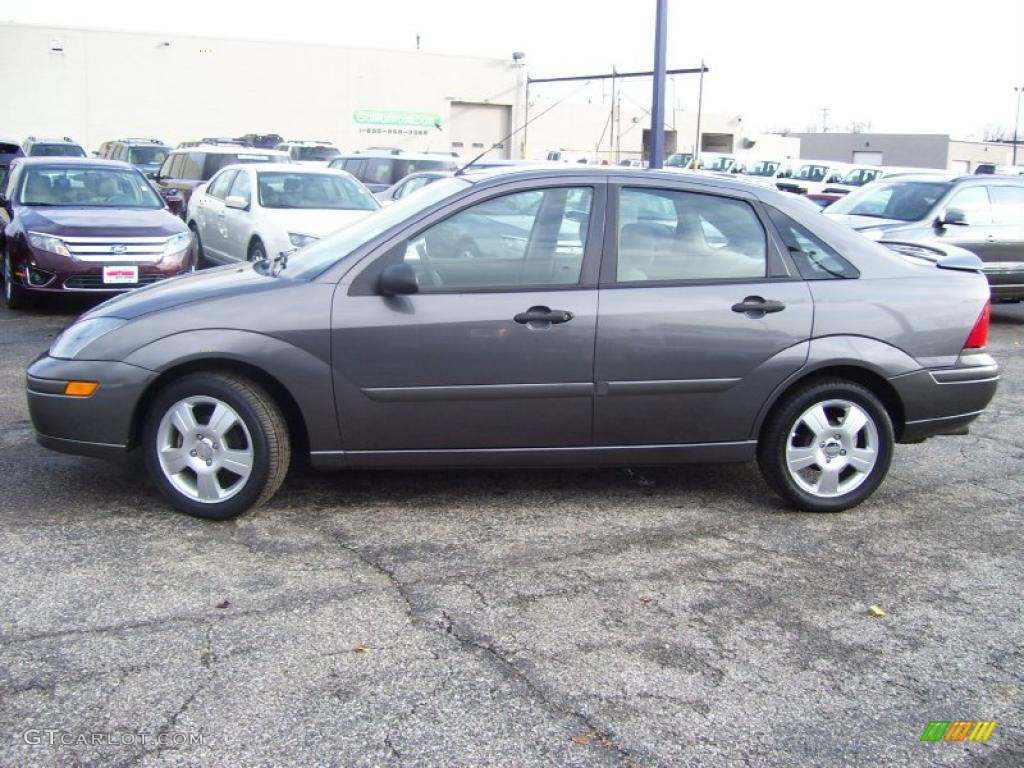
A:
(896, 65)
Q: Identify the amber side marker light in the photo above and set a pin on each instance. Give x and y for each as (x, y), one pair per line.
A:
(80, 388)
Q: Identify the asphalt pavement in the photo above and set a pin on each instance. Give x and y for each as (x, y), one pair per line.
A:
(665, 617)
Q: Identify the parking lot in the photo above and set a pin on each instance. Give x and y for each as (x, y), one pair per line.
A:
(660, 617)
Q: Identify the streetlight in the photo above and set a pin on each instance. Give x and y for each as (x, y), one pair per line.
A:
(1018, 89)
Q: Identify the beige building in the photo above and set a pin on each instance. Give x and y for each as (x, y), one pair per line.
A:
(916, 150)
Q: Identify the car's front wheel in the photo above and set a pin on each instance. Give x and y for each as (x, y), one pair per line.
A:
(215, 445)
(14, 295)
(257, 251)
(827, 446)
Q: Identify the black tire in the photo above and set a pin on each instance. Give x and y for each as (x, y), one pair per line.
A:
(785, 427)
(257, 251)
(14, 295)
(201, 260)
(271, 446)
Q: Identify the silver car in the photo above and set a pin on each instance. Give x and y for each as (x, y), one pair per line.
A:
(982, 214)
(602, 316)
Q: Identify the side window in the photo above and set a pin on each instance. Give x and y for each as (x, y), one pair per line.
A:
(377, 171)
(973, 201)
(531, 238)
(813, 258)
(412, 185)
(219, 186)
(354, 165)
(670, 235)
(191, 166)
(1007, 205)
(165, 169)
(241, 187)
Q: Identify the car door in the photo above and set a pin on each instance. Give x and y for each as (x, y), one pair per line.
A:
(211, 214)
(976, 233)
(237, 224)
(701, 317)
(494, 351)
(1008, 224)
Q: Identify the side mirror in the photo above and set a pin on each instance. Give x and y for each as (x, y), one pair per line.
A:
(397, 280)
(953, 217)
(234, 201)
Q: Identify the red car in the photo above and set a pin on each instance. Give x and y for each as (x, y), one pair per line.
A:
(85, 226)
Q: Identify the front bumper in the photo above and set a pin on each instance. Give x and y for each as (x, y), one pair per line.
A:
(945, 401)
(100, 425)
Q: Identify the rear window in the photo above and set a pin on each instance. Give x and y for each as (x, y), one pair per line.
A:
(57, 150)
(317, 153)
(214, 162)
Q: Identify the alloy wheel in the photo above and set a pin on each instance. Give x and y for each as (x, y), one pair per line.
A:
(204, 449)
(832, 448)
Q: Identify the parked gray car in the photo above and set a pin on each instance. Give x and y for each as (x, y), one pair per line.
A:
(614, 317)
(983, 214)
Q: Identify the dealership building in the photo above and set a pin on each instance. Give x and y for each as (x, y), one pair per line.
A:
(96, 85)
(916, 150)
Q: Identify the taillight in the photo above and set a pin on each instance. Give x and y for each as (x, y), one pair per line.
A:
(978, 337)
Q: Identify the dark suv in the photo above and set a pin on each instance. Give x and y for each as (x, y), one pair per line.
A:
(185, 169)
(65, 147)
(380, 168)
(145, 154)
(983, 213)
(85, 225)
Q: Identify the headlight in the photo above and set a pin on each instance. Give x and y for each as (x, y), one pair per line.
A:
(82, 334)
(300, 241)
(177, 244)
(48, 243)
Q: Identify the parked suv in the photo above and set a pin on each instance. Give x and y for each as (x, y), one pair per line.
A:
(309, 152)
(984, 214)
(145, 154)
(65, 147)
(185, 169)
(378, 169)
(85, 225)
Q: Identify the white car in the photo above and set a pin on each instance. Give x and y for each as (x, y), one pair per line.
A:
(309, 152)
(811, 176)
(255, 210)
(764, 171)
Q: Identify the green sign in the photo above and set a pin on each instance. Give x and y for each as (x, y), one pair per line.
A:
(409, 119)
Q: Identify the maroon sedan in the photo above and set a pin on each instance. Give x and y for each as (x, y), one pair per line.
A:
(85, 226)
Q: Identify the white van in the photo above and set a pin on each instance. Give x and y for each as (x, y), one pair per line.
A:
(811, 176)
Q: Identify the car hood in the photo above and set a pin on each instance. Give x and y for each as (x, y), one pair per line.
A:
(86, 222)
(313, 221)
(865, 222)
(185, 289)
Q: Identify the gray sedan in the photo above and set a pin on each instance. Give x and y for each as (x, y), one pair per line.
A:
(611, 317)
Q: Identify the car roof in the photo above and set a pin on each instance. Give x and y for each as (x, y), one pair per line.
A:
(96, 162)
(399, 155)
(221, 149)
(289, 168)
(723, 181)
(309, 143)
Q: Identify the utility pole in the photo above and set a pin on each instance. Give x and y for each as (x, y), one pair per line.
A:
(695, 162)
(658, 101)
(1018, 89)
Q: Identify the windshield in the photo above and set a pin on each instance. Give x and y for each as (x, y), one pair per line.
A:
(57, 150)
(147, 155)
(811, 173)
(679, 160)
(317, 153)
(858, 177)
(763, 168)
(719, 164)
(314, 190)
(314, 259)
(900, 200)
(92, 187)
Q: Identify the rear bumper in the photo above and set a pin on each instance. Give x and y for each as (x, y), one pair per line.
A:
(99, 425)
(945, 401)
(1006, 279)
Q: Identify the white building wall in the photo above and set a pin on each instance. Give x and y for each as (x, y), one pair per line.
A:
(107, 85)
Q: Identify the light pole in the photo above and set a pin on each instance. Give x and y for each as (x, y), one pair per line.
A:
(657, 158)
(1018, 89)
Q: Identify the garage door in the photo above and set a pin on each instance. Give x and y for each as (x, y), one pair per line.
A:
(867, 158)
(475, 127)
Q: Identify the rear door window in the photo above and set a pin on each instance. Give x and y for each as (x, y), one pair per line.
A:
(1007, 205)
(192, 166)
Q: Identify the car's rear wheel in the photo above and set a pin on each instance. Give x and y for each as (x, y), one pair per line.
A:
(257, 251)
(215, 445)
(15, 297)
(827, 446)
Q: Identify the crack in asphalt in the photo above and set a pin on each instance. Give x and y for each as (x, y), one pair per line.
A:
(506, 668)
